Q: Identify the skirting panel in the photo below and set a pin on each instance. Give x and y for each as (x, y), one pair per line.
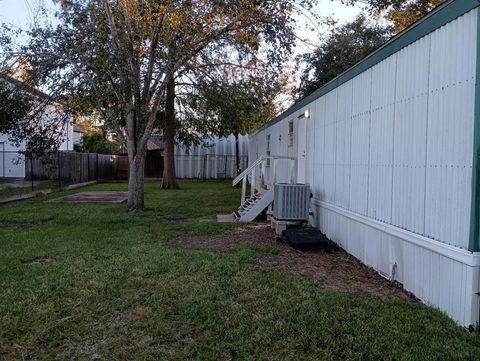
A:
(440, 275)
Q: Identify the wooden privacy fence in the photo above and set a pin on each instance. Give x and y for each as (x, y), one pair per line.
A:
(74, 167)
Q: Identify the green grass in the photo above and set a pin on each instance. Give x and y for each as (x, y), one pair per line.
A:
(117, 291)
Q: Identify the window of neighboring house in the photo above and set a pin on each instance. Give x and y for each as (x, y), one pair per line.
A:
(268, 150)
(290, 133)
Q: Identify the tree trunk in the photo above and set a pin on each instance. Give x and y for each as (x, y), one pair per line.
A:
(136, 187)
(169, 180)
(137, 152)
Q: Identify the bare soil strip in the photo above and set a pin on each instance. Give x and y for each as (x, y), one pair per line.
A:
(334, 270)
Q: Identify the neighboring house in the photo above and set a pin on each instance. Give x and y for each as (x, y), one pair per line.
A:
(12, 161)
(391, 150)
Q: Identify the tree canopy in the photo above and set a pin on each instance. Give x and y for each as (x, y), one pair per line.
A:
(14, 107)
(342, 48)
(97, 141)
(235, 105)
(402, 13)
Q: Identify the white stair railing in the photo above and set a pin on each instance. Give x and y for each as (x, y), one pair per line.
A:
(265, 182)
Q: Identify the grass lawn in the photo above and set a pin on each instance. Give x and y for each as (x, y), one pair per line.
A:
(116, 290)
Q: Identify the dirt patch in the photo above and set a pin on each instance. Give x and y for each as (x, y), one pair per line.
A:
(249, 235)
(334, 269)
(39, 261)
(139, 312)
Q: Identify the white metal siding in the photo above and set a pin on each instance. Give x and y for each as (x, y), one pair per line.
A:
(329, 150)
(361, 103)
(381, 140)
(343, 145)
(408, 197)
(318, 185)
(450, 131)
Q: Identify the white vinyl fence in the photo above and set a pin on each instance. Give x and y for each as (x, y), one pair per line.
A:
(215, 159)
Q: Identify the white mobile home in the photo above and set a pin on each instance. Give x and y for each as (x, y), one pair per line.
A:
(391, 151)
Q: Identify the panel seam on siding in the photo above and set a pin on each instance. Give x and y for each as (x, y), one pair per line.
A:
(473, 244)
(350, 161)
(369, 140)
(324, 143)
(426, 138)
(335, 148)
(393, 137)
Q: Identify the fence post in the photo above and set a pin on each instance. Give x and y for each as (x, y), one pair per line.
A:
(80, 162)
(59, 169)
(204, 166)
(31, 170)
(3, 159)
(96, 169)
(226, 162)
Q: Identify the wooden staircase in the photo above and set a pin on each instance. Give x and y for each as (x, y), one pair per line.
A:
(254, 206)
(261, 188)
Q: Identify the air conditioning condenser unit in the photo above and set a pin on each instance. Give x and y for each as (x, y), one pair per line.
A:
(291, 202)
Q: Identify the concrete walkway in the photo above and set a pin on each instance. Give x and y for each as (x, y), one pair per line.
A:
(17, 183)
(93, 197)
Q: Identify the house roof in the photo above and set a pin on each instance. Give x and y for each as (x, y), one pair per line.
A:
(443, 14)
(23, 85)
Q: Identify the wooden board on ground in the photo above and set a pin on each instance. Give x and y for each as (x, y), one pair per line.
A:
(93, 197)
(225, 218)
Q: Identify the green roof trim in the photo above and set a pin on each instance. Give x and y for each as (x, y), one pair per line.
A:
(442, 15)
(474, 242)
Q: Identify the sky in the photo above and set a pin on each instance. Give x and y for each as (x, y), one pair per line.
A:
(21, 13)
